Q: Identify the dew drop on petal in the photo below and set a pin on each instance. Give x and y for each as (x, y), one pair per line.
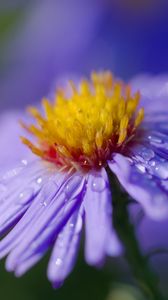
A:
(71, 225)
(39, 180)
(24, 162)
(129, 160)
(72, 185)
(152, 163)
(98, 184)
(78, 225)
(25, 196)
(43, 203)
(159, 169)
(11, 173)
(65, 199)
(47, 193)
(141, 168)
(162, 171)
(155, 139)
(147, 154)
(58, 262)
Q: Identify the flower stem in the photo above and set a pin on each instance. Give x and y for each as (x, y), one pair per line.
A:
(144, 276)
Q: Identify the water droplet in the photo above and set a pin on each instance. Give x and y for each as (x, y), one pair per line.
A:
(147, 154)
(155, 139)
(47, 193)
(79, 225)
(71, 225)
(26, 196)
(12, 173)
(58, 262)
(160, 170)
(129, 160)
(72, 185)
(43, 203)
(24, 162)
(141, 168)
(152, 163)
(98, 184)
(39, 180)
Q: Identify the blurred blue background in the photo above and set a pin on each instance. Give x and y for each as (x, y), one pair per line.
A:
(45, 41)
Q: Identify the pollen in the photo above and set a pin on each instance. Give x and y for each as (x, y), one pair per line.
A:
(85, 123)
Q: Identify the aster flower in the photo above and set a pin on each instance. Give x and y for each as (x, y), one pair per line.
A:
(64, 183)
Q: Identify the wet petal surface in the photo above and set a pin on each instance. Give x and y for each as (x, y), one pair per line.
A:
(100, 236)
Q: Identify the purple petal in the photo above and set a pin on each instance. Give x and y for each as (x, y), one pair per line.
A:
(155, 140)
(154, 92)
(15, 198)
(26, 264)
(18, 232)
(152, 160)
(100, 236)
(54, 206)
(65, 250)
(141, 186)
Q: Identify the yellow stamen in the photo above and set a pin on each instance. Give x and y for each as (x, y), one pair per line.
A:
(98, 117)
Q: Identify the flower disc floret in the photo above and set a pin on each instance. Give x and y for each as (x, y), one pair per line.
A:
(83, 127)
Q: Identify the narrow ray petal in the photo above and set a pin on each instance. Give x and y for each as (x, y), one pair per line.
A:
(15, 198)
(19, 231)
(56, 207)
(65, 250)
(100, 236)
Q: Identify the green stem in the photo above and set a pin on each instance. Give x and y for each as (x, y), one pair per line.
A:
(145, 278)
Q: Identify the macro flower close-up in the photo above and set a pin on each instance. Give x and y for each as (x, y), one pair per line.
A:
(86, 133)
(84, 150)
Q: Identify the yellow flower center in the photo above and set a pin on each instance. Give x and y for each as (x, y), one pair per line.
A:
(82, 128)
